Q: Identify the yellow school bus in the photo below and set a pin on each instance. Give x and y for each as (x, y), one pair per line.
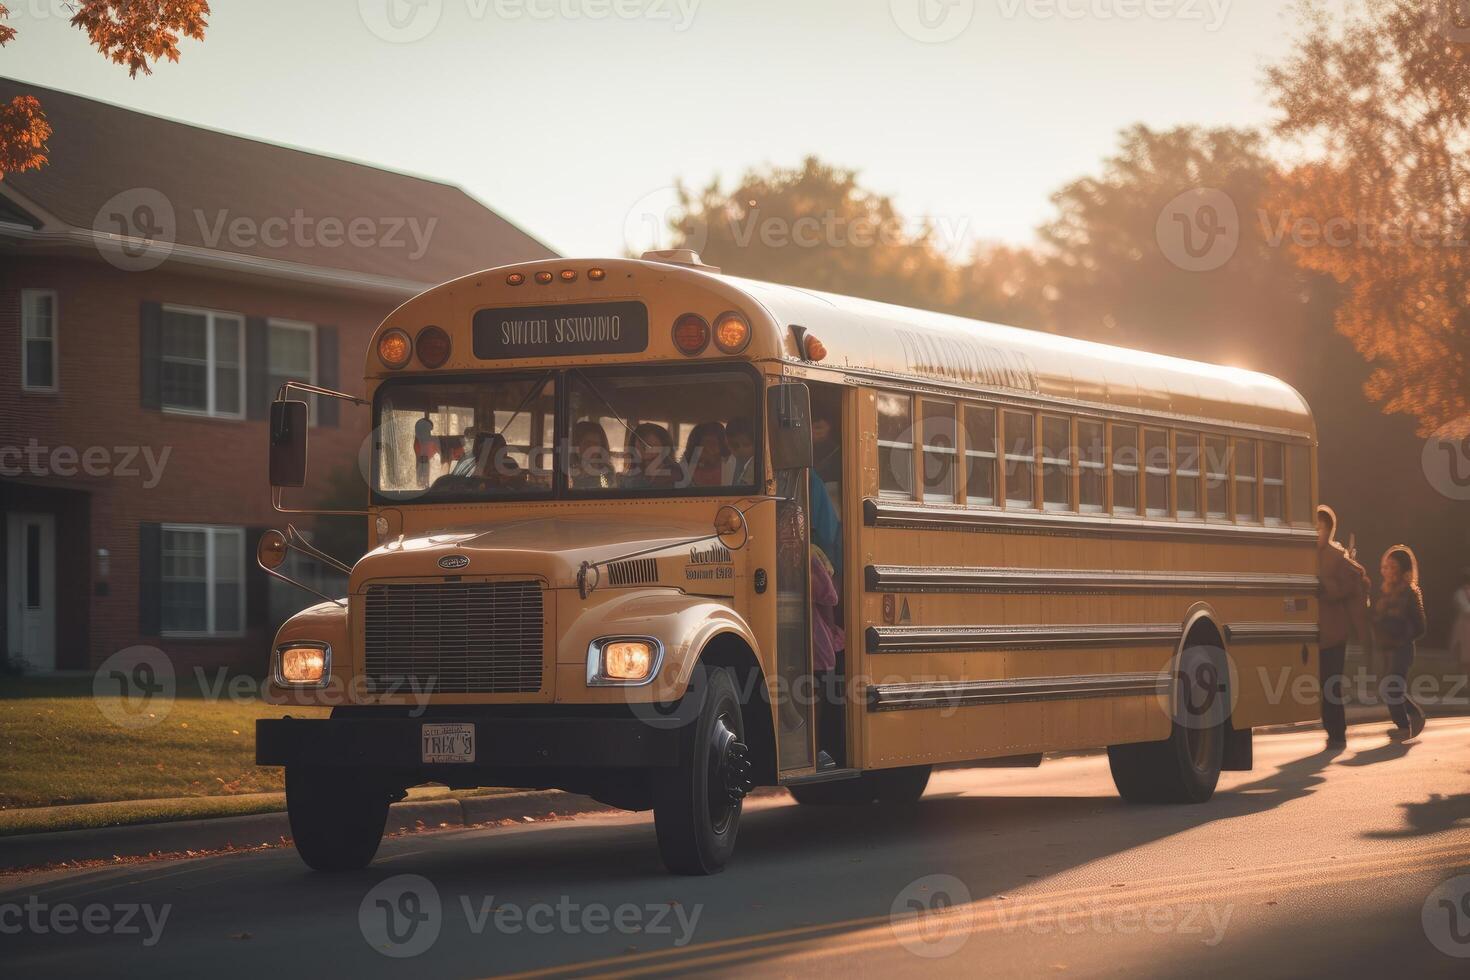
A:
(659, 535)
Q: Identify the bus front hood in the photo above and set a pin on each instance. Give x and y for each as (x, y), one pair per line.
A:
(550, 548)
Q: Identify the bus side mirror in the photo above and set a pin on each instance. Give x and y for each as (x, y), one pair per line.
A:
(789, 410)
(288, 444)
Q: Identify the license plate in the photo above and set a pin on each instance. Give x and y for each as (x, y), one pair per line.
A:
(449, 743)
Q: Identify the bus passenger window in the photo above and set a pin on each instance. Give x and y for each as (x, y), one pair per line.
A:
(1217, 476)
(1156, 468)
(1125, 469)
(1056, 463)
(1245, 479)
(1186, 473)
(1273, 482)
(979, 455)
(1020, 457)
(1302, 513)
(939, 452)
(1092, 466)
(895, 446)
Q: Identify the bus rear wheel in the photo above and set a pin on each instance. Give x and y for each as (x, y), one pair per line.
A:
(1183, 768)
(906, 784)
(337, 819)
(696, 809)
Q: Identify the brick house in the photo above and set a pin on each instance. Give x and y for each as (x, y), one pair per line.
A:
(158, 281)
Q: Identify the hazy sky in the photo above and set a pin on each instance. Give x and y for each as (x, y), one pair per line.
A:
(574, 117)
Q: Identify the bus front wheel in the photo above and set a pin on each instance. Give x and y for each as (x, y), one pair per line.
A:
(696, 810)
(337, 819)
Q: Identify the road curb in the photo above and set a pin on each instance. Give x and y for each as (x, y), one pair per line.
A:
(254, 830)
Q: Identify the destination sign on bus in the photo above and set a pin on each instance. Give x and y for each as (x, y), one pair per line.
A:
(561, 331)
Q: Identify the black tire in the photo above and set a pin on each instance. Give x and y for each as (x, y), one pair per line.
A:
(337, 819)
(903, 785)
(843, 792)
(696, 808)
(1185, 767)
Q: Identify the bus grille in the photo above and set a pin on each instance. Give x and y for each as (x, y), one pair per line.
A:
(455, 637)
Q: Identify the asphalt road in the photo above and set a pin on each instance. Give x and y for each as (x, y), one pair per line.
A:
(1313, 864)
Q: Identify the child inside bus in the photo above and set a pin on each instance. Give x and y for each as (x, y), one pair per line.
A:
(651, 462)
(740, 467)
(705, 455)
(591, 463)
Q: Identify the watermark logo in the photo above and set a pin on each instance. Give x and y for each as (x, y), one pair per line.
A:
(400, 21)
(401, 916)
(1446, 917)
(1203, 688)
(1199, 231)
(932, 21)
(136, 229)
(123, 462)
(929, 917)
(1446, 460)
(134, 688)
(651, 224)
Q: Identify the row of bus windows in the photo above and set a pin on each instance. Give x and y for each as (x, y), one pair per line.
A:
(988, 456)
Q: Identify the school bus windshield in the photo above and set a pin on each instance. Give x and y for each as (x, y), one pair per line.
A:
(615, 433)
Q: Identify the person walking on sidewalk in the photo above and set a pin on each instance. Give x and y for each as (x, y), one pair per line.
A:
(1342, 602)
(1398, 619)
(1460, 637)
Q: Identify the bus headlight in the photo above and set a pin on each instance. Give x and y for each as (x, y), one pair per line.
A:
(623, 660)
(306, 664)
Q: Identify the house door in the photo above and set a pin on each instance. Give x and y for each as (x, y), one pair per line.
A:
(31, 588)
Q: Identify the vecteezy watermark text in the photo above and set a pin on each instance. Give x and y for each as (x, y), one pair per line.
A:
(403, 916)
(96, 918)
(34, 459)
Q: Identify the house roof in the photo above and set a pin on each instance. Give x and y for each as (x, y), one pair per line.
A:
(297, 207)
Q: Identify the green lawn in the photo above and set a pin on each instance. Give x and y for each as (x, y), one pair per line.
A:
(58, 746)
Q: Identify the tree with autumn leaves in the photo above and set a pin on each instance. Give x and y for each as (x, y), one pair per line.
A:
(1382, 95)
(134, 33)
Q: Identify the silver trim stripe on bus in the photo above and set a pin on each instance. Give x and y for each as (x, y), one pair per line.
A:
(921, 578)
(960, 694)
(892, 513)
(962, 639)
(1271, 633)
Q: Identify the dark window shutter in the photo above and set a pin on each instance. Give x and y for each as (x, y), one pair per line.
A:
(150, 349)
(258, 392)
(257, 582)
(150, 579)
(328, 410)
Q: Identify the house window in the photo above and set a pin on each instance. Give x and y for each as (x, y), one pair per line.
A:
(203, 359)
(203, 580)
(1217, 478)
(293, 357)
(1245, 479)
(980, 455)
(1020, 457)
(1186, 474)
(1056, 462)
(1156, 472)
(38, 340)
(895, 446)
(1125, 469)
(1273, 482)
(939, 452)
(1092, 476)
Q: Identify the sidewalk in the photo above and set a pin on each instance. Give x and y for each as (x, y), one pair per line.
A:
(270, 829)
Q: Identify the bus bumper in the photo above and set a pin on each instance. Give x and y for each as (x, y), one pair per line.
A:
(500, 743)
